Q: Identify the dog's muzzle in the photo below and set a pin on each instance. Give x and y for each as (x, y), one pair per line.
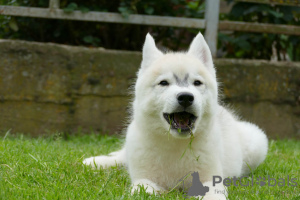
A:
(181, 121)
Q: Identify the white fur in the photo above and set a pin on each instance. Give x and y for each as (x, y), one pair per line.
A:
(222, 145)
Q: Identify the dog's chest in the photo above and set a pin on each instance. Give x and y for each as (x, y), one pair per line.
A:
(171, 170)
(165, 163)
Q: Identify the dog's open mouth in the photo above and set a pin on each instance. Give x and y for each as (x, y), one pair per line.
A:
(182, 121)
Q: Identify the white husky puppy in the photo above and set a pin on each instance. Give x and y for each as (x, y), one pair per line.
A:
(178, 125)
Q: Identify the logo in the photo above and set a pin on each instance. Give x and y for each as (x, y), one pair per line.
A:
(197, 188)
(261, 181)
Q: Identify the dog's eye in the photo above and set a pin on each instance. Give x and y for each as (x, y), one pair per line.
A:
(164, 83)
(197, 83)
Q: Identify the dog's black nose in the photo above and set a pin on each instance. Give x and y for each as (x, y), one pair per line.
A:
(185, 99)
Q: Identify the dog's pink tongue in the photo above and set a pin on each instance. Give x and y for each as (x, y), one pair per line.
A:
(182, 120)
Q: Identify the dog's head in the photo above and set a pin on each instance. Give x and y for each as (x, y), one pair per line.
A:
(176, 92)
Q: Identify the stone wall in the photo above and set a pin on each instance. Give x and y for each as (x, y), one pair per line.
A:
(48, 88)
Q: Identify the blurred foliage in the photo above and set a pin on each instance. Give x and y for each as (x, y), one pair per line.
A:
(260, 45)
(107, 35)
(131, 37)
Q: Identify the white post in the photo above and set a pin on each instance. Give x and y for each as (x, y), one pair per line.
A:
(212, 23)
(54, 4)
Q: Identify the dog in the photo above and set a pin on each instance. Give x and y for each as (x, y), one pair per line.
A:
(178, 125)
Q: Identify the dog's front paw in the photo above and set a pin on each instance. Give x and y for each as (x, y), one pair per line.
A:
(90, 162)
(218, 192)
(149, 187)
(213, 197)
(100, 161)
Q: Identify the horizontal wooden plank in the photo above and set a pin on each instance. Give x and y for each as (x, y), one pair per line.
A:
(146, 20)
(259, 27)
(102, 17)
(275, 2)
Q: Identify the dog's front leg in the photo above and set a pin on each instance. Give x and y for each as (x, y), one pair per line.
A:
(217, 192)
(149, 186)
(114, 158)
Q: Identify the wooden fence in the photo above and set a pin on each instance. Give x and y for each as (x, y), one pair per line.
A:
(211, 23)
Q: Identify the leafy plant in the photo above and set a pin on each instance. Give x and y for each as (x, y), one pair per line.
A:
(108, 35)
(71, 7)
(91, 40)
(131, 37)
(261, 45)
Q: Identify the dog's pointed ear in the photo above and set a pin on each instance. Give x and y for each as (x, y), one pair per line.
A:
(200, 50)
(150, 52)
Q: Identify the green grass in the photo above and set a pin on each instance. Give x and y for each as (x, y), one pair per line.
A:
(50, 168)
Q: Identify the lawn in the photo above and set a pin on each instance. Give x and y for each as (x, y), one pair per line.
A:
(50, 168)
